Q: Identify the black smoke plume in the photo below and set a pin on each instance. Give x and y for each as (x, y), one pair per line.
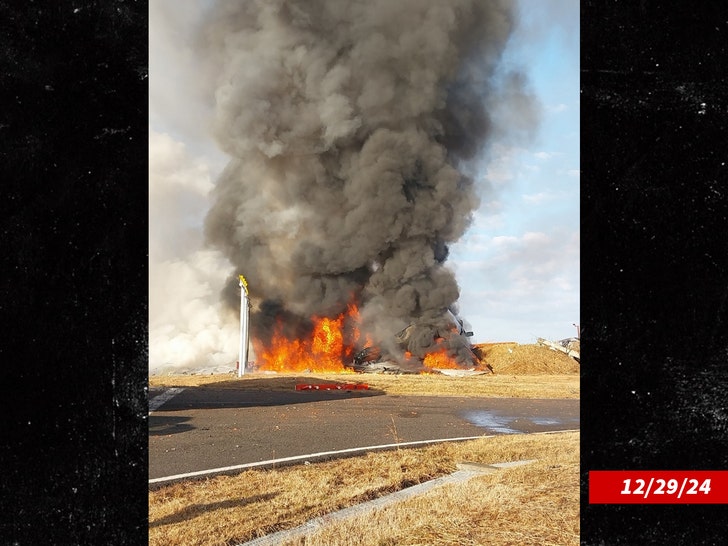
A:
(351, 125)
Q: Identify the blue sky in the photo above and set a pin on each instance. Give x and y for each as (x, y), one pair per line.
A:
(517, 266)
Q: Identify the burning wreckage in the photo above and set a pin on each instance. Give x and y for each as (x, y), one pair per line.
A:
(373, 359)
(337, 345)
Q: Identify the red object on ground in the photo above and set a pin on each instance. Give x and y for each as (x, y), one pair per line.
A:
(332, 387)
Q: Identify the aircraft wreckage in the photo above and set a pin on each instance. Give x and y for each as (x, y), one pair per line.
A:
(373, 359)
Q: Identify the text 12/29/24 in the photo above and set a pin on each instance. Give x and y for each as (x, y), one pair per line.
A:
(658, 487)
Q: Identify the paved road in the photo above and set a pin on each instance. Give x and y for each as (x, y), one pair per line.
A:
(201, 429)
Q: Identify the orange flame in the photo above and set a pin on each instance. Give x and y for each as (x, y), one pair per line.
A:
(330, 346)
(325, 350)
(440, 359)
(352, 313)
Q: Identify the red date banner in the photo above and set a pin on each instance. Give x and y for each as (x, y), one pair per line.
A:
(658, 487)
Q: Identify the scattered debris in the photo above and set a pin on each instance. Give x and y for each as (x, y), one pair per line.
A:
(391, 367)
(571, 346)
(461, 373)
(384, 366)
(450, 349)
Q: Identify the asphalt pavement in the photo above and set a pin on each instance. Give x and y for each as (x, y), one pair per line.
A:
(201, 429)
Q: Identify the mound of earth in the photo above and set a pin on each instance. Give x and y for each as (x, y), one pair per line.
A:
(515, 359)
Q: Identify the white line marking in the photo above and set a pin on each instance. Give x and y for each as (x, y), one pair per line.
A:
(325, 454)
(160, 399)
(309, 456)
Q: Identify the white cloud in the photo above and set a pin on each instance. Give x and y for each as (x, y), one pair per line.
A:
(535, 238)
(504, 240)
(556, 108)
(172, 169)
(537, 198)
(547, 197)
(546, 155)
(531, 278)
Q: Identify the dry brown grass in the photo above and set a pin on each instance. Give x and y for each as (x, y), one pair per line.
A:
(536, 504)
(502, 385)
(533, 504)
(515, 359)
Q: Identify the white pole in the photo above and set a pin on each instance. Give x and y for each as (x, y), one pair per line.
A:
(243, 357)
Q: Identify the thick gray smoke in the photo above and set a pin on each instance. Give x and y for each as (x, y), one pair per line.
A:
(351, 125)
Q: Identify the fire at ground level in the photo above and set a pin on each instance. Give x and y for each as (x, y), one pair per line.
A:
(502, 357)
(284, 344)
(337, 346)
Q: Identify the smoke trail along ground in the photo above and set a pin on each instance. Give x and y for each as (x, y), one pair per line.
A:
(351, 125)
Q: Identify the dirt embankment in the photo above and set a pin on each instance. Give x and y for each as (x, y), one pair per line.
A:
(515, 359)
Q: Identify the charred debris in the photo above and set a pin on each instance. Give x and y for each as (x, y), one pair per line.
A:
(374, 359)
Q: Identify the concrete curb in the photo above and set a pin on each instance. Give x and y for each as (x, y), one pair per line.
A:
(465, 472)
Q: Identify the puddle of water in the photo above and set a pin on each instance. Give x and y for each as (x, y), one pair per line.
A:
(545, 421)
(491, 420)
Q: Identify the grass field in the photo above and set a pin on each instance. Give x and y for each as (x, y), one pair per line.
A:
(535, 504)
(506, 385)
